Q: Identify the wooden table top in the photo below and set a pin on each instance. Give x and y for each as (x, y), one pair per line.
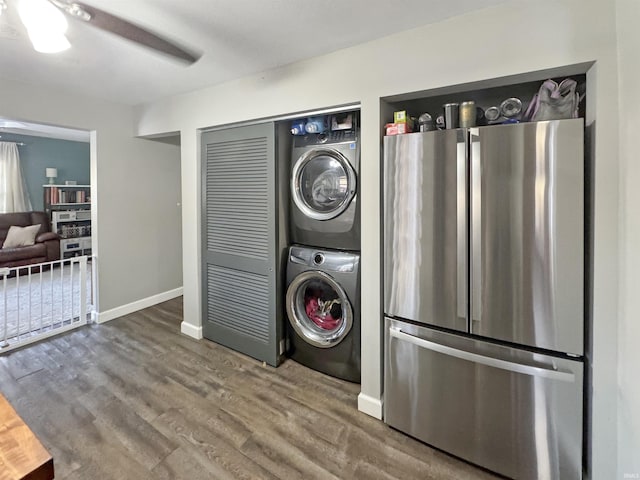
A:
(22, 456)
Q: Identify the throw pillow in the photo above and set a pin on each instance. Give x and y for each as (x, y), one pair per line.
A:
(21, 236)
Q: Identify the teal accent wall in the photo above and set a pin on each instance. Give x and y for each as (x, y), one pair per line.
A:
(70, 158)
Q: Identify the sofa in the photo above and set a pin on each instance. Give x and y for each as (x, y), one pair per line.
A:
(45, 249)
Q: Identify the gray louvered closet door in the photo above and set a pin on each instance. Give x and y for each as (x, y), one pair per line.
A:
(239, 240)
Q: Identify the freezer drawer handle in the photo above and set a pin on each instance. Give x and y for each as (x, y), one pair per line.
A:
(481, 359)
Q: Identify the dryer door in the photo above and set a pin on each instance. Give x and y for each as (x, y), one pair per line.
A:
(318, 309)
(323, 183)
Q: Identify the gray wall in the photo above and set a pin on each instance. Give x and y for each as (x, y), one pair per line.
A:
(550, 33)
(70, 158)
(135, 187)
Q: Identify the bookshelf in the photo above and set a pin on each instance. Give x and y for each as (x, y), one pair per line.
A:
(69, 210)
(64, 196)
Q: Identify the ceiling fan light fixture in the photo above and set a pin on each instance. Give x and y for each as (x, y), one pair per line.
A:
(77, 11)
(45, 24)
(49, 42)
(42, 15)
(74, 9)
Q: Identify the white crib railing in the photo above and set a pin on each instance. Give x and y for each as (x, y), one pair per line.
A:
(38, 301)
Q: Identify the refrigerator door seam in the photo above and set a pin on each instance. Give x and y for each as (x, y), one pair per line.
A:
(481, 359)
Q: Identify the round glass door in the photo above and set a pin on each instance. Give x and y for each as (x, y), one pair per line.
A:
(323, 183)
(318, 309)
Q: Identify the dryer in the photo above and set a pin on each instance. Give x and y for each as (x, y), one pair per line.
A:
(324, 183)
(323, 307)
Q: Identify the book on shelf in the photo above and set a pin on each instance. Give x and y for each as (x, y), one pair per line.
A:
(56, 196)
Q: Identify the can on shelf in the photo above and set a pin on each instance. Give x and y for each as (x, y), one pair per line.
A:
(492, 114)
(426, 123)
(511, 107)
(451, 117)
(468, 114)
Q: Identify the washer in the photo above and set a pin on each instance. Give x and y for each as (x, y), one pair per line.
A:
(324, 182)
(323, 307)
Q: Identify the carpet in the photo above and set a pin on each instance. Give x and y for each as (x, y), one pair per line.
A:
(41, 302)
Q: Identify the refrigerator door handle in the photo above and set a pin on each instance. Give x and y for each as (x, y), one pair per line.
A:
(461, 239)
(483, 360)
(476, 226)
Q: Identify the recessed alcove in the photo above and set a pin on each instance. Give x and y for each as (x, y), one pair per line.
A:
(485, 93)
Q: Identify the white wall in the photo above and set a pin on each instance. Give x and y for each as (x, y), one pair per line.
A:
(516, 37)
(628, 15)
(136, 188)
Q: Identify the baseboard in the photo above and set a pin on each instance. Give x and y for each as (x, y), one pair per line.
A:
(370, 405)
(191, 330)
(137, 305)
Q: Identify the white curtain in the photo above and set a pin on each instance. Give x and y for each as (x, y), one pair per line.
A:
(13, 190)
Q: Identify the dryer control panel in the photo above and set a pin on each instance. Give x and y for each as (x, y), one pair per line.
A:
(342, 136)
(330, 260)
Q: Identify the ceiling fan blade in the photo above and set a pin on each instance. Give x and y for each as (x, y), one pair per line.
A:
(125, 29)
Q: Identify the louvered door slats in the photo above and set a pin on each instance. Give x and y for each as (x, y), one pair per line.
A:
(239, 235)
(237, 170)
(239, 301)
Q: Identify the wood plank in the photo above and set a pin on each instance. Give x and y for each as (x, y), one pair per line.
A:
(22, 456)
(135, 399)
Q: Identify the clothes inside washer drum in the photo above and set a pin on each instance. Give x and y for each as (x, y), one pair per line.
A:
(326, 314)
(328, 188)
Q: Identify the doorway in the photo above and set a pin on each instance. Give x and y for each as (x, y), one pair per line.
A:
(52, 288)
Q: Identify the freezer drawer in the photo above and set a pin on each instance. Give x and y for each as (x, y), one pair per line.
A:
(515, 412)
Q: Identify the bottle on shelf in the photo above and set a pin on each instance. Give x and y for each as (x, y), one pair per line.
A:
(297, 127)
(315, 125)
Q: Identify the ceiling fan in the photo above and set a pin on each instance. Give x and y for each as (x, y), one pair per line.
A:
(102, 20)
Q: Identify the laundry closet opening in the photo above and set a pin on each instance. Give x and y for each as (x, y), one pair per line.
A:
(281, 239)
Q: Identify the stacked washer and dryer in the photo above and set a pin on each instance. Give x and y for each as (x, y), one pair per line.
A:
(323, 267)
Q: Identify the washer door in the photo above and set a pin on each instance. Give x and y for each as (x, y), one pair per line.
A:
(323, 183)
(318, 309)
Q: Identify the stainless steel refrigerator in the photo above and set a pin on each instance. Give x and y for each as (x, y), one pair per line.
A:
(484, 294)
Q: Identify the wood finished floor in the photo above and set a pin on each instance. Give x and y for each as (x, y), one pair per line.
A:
(135, 399)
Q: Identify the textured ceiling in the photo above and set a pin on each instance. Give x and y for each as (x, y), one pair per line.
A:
(236, 38)
(9, 127)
